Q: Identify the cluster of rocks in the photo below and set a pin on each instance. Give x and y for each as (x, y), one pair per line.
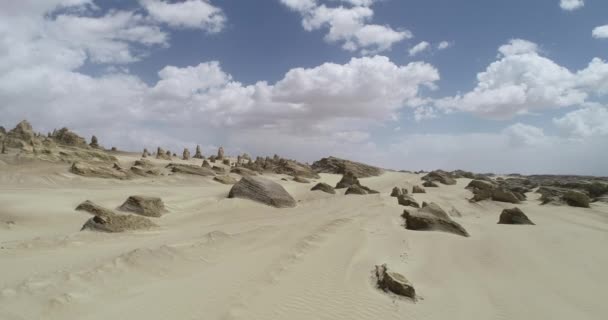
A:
(351, 183)
(107, 220)
(340, 166)
(278, 165)
(490, 190)
(560, 196)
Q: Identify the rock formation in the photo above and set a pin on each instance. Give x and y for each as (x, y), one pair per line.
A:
(226, 162)
(355, 189)
(396, 283)
(198, 154)
(162, 154)
(243, 171)
(408, 201)
(186, 154)
(190, 169)
(220, 153)
(212, 159)
(490, 190)
(418, 189)
(66, 137)
(299, 179)
(513, 216)
(576, 199)
(206, 164)
(341, 166)
(321, 186)
(225, 179)
(440, 176)
(3, 147)
(97, 171)
(145, 206)
(94, 143)
(396, 192)
(94, 209)
(348, 179)
(106, 220)
(220, 170)
(430, 184)
(262, 190)
(145, 154)
(431, 217)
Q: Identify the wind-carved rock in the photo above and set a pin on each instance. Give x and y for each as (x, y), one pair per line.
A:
(186, 154)
(94, 143)
(220, 153)
(145, 154)
(198, 154)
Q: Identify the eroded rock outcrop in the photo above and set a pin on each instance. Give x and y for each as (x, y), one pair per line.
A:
(341, 166)
(97, 171)
(220, 153)
(186, 154)
(198, 154)
(321, 186)
(394, 282)
(262, 190)
(190, 169)
(106, 220)
(514, 216)
(431, 217)
(225, 179)
(145, 206)
(162, 154)
(408, 201)
(440, 176)
(430, 184)
(418, 189)
(299, 179)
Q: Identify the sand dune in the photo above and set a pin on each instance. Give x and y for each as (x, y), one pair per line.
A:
(219, 258)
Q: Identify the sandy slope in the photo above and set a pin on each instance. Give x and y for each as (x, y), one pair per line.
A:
(218, 258)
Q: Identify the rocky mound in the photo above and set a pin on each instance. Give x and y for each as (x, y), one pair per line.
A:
(225, 179)
(514, 216)
(348, 179)
(560, 196)
(490, 190)
(262, 190)
(341, 166)
(66, 137)
(440, 176)
(431, 217)
(396, 192)
(394, 282)
(98, 171)
(321, 186)
(107, 220)
(198, 154)
(145, 206)
(418, 189)
(190, 169)
(430, 184)
(408, 201)
(243, 171)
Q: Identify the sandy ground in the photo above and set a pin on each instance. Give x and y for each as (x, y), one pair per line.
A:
(218, 258)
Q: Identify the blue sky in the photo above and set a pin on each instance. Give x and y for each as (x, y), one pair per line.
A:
(307, 78)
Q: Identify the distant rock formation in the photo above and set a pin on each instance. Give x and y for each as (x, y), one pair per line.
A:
(198, 154)
(226, 162)
(162, 154)
(190, 169)
(299, 179)
(440, 176)
(321, 186)
(206, 164)
(212, 159)
(145, 154)
(408, 201)
(341, 166)
(430, 184)
(106, 220)
(396, 192)
(94, 143)
(145, 206)
(418, 189)
(490, 190)
(394, 282)
(66, 137)
(225, 179)
(220, 153)
(514, 216)
(262, 190)
(97, 171)
(243, 171)
(186, 154)
(432, 217)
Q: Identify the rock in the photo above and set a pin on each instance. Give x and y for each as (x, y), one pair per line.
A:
(341, 166)
(430, 218)
(441, 176)
(348, 179)
(212, 159)
(356, 189)
(324, 187)
(225, 179)
(198, 154)
(145, 171)
(292, 168)
(113, 149)
(206, 164)
(190, 169)
(457, 174)
(162, 154)
(23, 131)
(144, 163)
(97, 171)
(455, 213)
(220, 153)
(394, 282)
(94, 143)
(145, 206)
(300, 179)
(94, 209)
(480, 185)
(243, 171)
(3, 147)
(576, 199)
(418, 189)
(174, 155)
(513, 216)
(396, 192)
(66, 137)
(186, 154)
(118, 223)
(226, 162)
(502, 195)
(145, 154)
(219, 170)
(262, 190)
(430, 184)
(408, 201)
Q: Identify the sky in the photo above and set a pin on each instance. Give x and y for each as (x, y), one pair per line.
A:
(487, 86)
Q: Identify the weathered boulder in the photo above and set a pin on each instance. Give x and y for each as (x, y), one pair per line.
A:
(341, 166)
(396, 283)
(118, 223)
(145, 154)
(321, 186)
(514, 216)
(66, 137)
(243, 171)
(432, 217)
(300, 179)
(225, 179)
(355, 189)
(396, 192)
(94, 209)
(145, 206)
(220, 153)
(97, 171)
(226, 162)
(440, 176)
(408, 201)
(418, 189)
(162, 154)
(94, 143)
(502, 195)
(146, 171)
(23, 131)
(198, 154)
(481, 185)
(576, 199)
(430, 184)
(186, 154)
(262, 190)
(206, 164)
(212, 159)
(190, 169)
(219, 170)
(457, 174)
(348, 179)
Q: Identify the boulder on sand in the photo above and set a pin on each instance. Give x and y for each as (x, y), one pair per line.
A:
(206, 164)
(66, 137)
(145, 206)
(576, 199)
(430, 184)
(97, 171)
(299, 179)
(145, 154)
(186, 154)
(94, 143)
(94, 209)
(348, 179)
(225, 179)
(408, 201)
(262, 190)
(396, 192)
(418, 189)
(198, 154)
(243, 171)
(190, 169)
(321, 186)
(514, 216)
(432, 217)
(341, 166)
(220, 153)
(440, 176)
(394, 282)
(503, 195)
(162, 154)
(107, 220)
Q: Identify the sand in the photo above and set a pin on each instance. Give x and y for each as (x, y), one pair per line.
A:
(219, 258)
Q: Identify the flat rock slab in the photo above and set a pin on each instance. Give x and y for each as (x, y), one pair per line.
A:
(262, 190)
(145, 206)
(190, 169)
(97, 171)
(321, 186)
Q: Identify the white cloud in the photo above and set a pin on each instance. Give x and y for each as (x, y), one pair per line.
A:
(571, 5)
(443, 45)
(420, 47)
(584, 123)
(522, 81)
(600, 32)
(195, 14)
(348, 25)
(520, 134)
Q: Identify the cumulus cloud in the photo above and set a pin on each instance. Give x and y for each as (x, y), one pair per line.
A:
(420, 47)
(584, 123)
(520, 134)
(522, 81)
(600, 32)
(348, 26)
(570, 5)
(443, 45)
(194, 14)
